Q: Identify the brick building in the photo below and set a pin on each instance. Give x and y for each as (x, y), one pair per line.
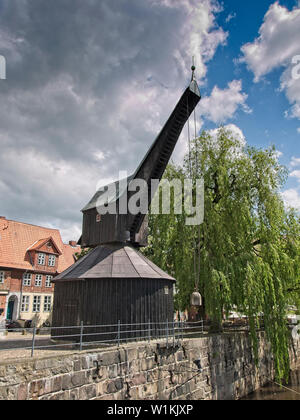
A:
(30, 256)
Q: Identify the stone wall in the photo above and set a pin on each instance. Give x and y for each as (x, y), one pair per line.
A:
(214, 367)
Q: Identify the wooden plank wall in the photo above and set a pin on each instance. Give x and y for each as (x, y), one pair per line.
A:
(107, 301)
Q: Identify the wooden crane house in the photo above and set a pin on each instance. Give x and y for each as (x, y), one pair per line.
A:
(114, 282)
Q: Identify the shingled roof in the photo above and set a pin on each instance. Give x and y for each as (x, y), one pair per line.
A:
(113, 261)
(16, 238)
(108, 194)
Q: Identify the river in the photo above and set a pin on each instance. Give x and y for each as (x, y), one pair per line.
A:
(272, 391)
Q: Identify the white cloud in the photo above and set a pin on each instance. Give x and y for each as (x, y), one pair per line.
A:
(221, 105)
(235, 130)
(276, 46)
(298, 130)
(296, 174)
(291, 198)
(86, 98)
(295, 161)
(68, 231)
(199, 35)
(55, 187)
(230, 17)
(278, 41)
(278, 154)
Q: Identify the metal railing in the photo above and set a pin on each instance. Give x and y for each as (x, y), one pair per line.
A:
(82, 336)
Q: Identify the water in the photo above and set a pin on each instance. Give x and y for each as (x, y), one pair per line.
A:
(275, 392)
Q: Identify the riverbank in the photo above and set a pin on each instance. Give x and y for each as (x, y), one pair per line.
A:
(273, 391)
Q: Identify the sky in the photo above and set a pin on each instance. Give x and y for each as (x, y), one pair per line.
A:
(89, 84)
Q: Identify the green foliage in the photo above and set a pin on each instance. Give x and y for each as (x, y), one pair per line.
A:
(82, 253)
(246, 253)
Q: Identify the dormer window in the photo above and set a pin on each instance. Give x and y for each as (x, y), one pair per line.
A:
(51, 260)
(41, 258)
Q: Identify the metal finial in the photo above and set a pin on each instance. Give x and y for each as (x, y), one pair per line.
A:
(193, 68)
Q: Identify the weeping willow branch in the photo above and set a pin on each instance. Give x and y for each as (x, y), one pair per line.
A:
(242, 201)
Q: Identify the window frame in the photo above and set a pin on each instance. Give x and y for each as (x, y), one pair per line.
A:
(41, 255)
(36, 304)
(25, 303)
(51, 260)
(27, 278)
(48, 279)
(47, 305)
(2, 276)
(40, 281)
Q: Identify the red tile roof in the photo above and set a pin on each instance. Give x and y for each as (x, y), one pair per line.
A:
(17, 237)
(42, 242)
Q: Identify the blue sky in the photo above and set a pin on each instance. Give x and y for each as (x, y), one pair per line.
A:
(89, 85)
(267, 124)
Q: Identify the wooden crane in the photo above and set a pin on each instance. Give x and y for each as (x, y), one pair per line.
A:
(129, 228)
(114, 283)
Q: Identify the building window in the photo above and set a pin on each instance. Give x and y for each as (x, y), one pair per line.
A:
(36, 304)
(26, 279)
(25, 303)
(48, 281)
(47, 303)
(38, 280)
(41, 259)
(2, 277)
(51, 260)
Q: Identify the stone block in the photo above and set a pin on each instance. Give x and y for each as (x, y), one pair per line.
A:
(112, 371)
(111, 388)
(22, 392)
(109, 358)
(78, 378)
(67, 381)
(36, 389)
(85, 362)
(77, 365)
(74, 394)
(138, 379)
(56, 383)
(60, 396)
(131, 354)
(123, 369)
(87, 392)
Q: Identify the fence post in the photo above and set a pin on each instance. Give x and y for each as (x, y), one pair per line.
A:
(119, 332)
(33, 340)
(81, 335)
(173, 333)
(167, 333)
(149, 331)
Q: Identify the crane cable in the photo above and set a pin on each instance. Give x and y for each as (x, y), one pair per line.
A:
(196, 270)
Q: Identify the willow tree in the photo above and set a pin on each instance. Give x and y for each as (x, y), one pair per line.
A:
(245, 255)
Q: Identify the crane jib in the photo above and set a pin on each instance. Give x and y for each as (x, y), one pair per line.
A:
(156, 160)
(132, 228)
